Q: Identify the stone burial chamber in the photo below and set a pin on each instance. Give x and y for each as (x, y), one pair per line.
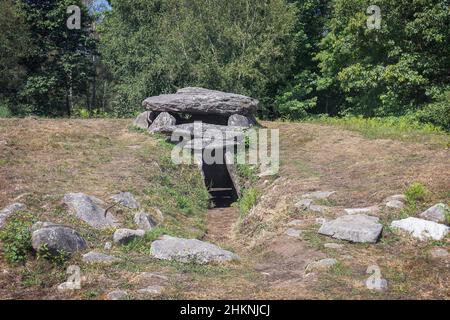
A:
(179, 114)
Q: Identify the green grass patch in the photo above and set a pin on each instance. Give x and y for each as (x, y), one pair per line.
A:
(247, 201)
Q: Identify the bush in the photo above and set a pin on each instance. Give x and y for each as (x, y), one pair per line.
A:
(4, 110)
(16, 237)
(437, 113)
(247, 201)
(415, 192)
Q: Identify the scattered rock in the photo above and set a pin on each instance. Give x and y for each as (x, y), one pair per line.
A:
(439, 253)
(321, 265)
(99, 258)
(144, 221)
(368, 210)
(293, 232)
(353, 228)
(304, 204)
(90, 210)
(318, 209)
(150, 278)
(202, 101)
(152, 290)
(117, 295)
(395, 204)
(237, 120)
(396, 197)
(335, 246)
(126, 199)
(5, 213)
(124, 236)
(164, 120)
(108, 246)
(296, 223)
(189, 250)
(57, 239)
(321, 221)
(319, 195)
(421, 229)
(437, 213)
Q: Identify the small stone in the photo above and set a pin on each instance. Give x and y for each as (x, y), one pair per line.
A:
(304, 204)
(437, 213)
(117, 295)
(126, 199)
(319, 195)
(368, 210)
(152, 290)
(395, 204)
(108, 246)
(5, 213)
(421, 229)
(296, 223)
(293, 233)
(320, 265)
(321, 221)
(124, 236)
(318, 209)
(237, 120)
(144, 221)
(397, 197)
(439, 253)
(335, 246)
(99, 258)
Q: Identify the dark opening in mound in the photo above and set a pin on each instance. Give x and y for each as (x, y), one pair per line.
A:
(220, 185)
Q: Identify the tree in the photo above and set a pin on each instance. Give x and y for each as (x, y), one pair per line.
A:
(153, 47)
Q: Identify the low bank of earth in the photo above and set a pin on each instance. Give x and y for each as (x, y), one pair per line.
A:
(277, 241)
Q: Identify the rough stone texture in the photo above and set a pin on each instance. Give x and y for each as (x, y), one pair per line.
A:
(368, 210)
(304, 204)
(320, 265)
(90, 210)
(126, 199)
(117, 295)
(238, 120)
(94, 257)
(57, 238)
(150, 279)
(421, 229)
(353, 228)
(318, 209)
(124, 236)
(108, 246)
(335, 246)
(395, 204)
(295, 233)
(397, 197)
(144, 221)
(202, 101)
(144, 120)
(439, 253)
(162, 121)
(296, 223)
(318, 195)
(189, 250)
(436, 213)
(5, 213)
(151, 290)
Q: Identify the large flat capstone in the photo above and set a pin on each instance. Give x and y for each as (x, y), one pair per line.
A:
(202, 101)
(189, 250)
(354, 228)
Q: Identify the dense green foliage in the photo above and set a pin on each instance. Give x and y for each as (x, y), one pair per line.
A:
(298, 57)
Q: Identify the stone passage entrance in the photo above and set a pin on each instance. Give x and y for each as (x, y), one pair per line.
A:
(220, 185)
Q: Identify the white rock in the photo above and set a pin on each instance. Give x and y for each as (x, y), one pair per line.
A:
(318, 209)
(395, 204)
(94, 257)
(421, 229)
(318, 195)
(108, 246)
(439, 253)
(144, 221)
(320, 265)
(296, 223)
(304, 204)
(124, 236)
(367, 210)
(396, 197)
(126, 199)
(293, 232)
(336, 246)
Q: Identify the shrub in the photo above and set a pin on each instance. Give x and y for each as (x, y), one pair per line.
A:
(415, 192)
(16, 237)
(247, 201)
(437, 113)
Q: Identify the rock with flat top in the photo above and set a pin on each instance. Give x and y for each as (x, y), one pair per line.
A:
(395, 204)
(126, 199)
(294, 233)
(125, 236)
(189, 251)
(144, 221)
(304, 204)
(439, 253)
(354, 228)
(438, 213)
(8, 211)
(368, 210)
(90, 210)
(421, 229)
(117, 295)
(202, 102)
(318, 195)
(57, 239)
(321, 265)
(94, 257)
(396, 197)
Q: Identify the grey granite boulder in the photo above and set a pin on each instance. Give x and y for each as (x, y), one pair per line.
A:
(144, 120)
(437, 213)
(163, 120)
(202, 101)
(395, 204)
(237, 120)
(368, 210)
(126, 199)
(90, 210)
(189, 250)
(318, 195)
(94, 257)
(421, 229)
(144, 221)
(353, 228)
(57, 239)
(124, 236)
(320, 265)
(117, 295)
(6, 212)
